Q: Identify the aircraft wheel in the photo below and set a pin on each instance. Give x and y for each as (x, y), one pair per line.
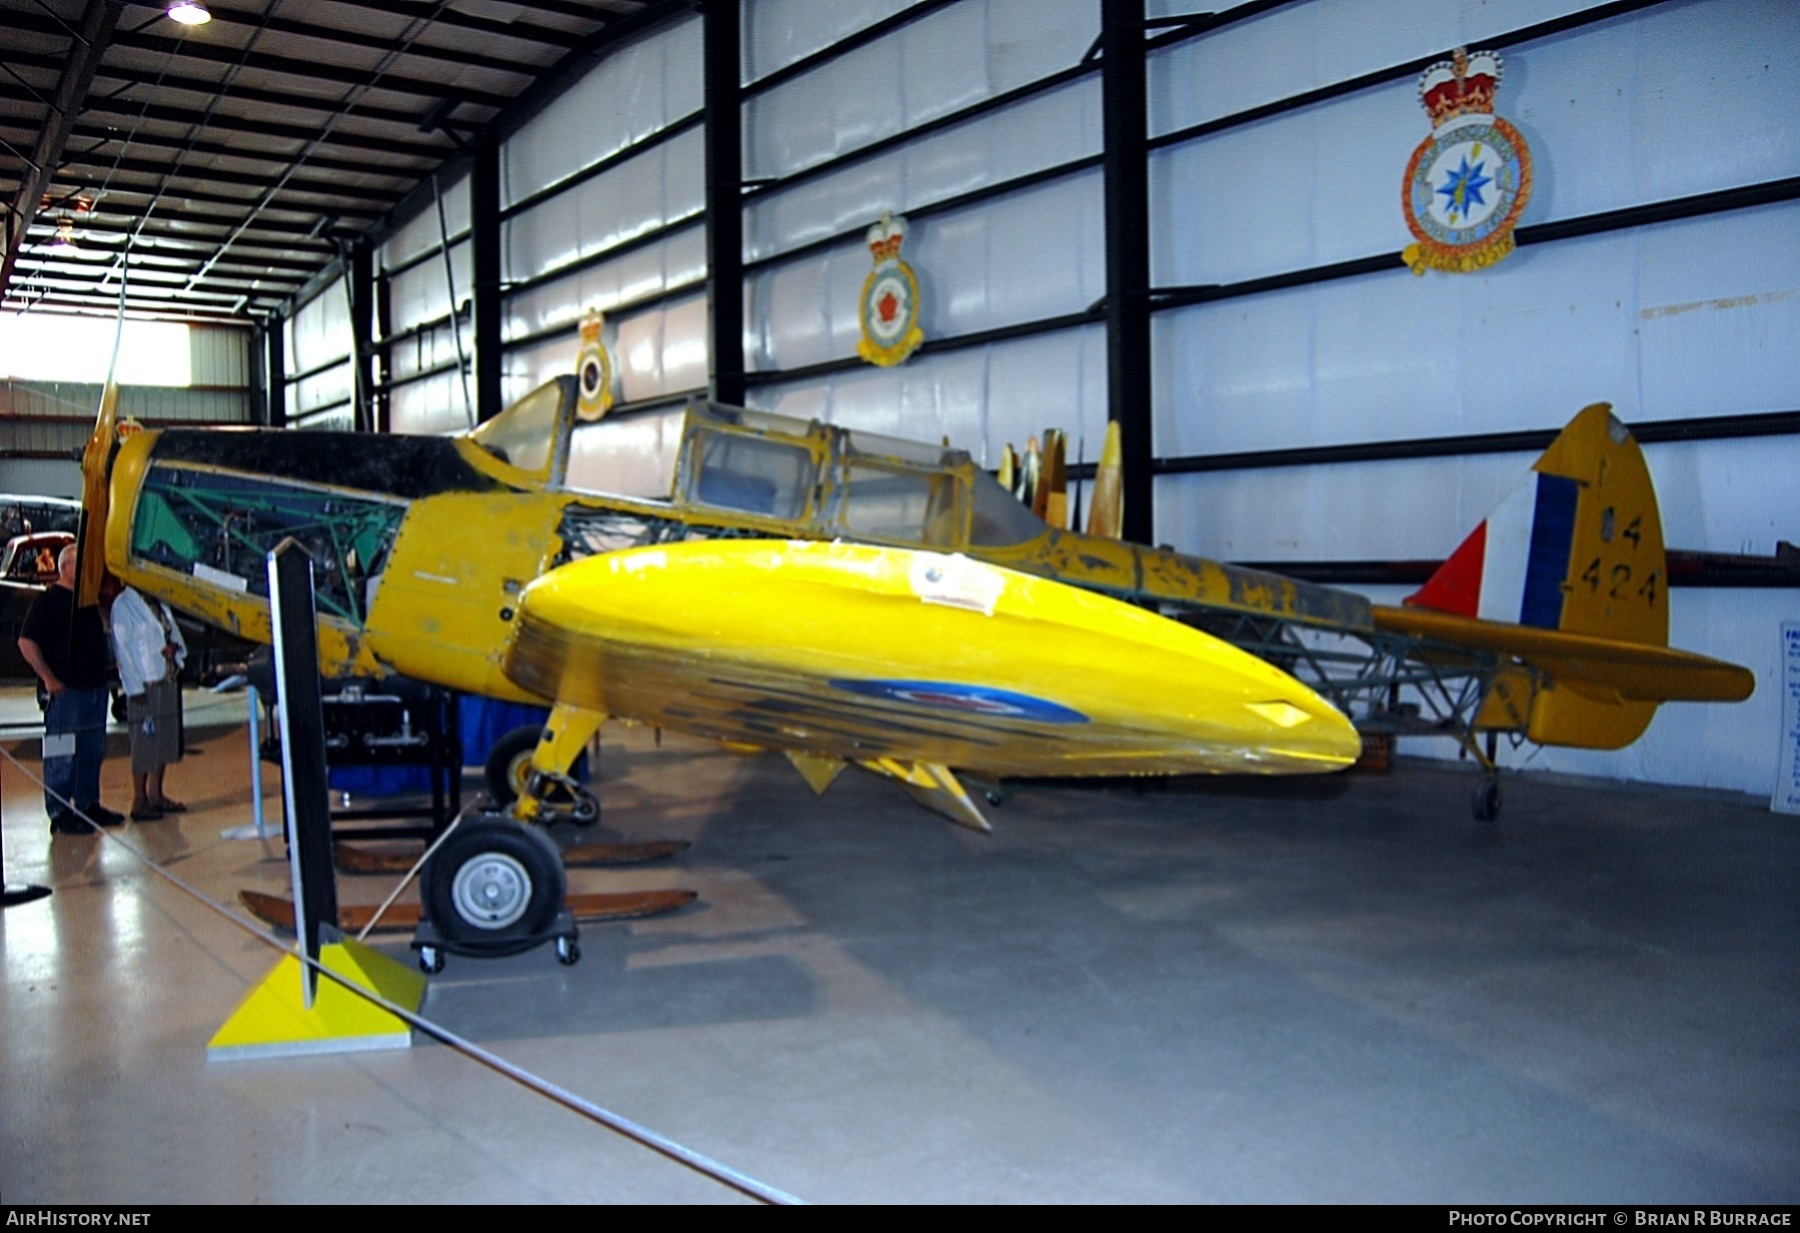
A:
(586, 809)
(509, 764)
(568, 952)
(1486, 804)
(494, 879)
(431, 960)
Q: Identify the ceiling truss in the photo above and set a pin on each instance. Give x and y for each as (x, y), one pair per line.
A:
(217, 170)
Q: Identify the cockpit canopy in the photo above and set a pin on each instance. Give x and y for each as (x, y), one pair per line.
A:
(816, 477)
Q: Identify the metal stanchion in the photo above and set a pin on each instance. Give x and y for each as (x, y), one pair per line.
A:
(258, 828)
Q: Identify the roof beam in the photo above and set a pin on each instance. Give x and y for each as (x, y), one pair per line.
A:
(187, 248)
(116, 188)
(314, 70)
(467, 21)
(207, 86)
(153, 277)
(426, 150)
(160, 308)
(300, 29)
(218, 175)
(102, 135)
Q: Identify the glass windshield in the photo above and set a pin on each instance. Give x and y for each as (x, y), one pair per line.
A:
(524, 435)
(913, 507)
(999, 518)
(750, 474)
(628, 455)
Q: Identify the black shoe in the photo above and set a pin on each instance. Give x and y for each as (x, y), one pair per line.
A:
(64, 822)
(102, 816)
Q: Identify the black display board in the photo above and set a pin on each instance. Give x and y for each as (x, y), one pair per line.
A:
(303, 785)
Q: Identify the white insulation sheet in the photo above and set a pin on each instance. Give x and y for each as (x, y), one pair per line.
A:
(1680, 319)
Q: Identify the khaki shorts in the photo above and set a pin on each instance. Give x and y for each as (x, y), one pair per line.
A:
(154, 719)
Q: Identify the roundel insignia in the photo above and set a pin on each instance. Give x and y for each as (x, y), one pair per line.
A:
(593, 371)
(974, 700)
(890, 304)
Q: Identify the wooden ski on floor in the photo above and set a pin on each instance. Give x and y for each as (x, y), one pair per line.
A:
(352, 859)
(278, 910)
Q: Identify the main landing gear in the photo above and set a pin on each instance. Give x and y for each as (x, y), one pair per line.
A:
(508, 772)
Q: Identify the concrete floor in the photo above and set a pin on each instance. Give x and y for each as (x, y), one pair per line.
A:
(1330, 991)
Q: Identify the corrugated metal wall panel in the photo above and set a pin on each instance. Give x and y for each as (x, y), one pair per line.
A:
(74, 403)
(219, 355)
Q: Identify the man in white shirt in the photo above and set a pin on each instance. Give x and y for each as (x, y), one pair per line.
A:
(151, 651)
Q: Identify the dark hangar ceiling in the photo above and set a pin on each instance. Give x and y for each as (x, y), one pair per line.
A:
(231, 159)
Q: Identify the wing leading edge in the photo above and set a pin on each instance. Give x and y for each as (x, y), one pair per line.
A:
(909, 662)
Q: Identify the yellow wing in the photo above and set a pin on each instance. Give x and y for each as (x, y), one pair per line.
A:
(910, 658)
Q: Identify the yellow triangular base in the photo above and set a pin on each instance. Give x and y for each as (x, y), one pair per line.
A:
(272, 1020)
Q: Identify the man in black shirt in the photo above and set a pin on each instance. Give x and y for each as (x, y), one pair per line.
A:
(66, 647)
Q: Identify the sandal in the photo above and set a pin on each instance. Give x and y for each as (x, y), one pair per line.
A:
(146, 815)
(170, 807)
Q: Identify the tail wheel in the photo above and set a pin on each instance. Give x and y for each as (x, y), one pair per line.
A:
(494, 880)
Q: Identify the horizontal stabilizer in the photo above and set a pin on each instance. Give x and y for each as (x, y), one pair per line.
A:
(1631, 672)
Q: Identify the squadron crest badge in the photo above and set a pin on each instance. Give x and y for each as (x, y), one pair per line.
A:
(1467, 183)
(889, 308)
(593, 369)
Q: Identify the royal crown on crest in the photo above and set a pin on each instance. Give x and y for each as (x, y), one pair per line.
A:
(1462, 85)
(886, 237)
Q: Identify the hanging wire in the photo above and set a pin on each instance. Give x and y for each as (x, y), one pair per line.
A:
(462, 361)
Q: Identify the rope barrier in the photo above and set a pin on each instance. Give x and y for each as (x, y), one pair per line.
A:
(661, 1144)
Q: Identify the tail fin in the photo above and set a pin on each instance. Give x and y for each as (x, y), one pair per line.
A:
(1577, 547)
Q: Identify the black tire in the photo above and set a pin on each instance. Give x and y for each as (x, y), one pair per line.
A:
(584, 810)
(1486, 804)
(494, 880)
(509, 763)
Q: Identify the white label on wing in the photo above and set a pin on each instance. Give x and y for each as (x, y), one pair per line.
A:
(956, 582)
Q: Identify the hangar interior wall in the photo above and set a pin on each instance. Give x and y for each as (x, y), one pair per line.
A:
(978, 120)
(45, 422)
(320, 374)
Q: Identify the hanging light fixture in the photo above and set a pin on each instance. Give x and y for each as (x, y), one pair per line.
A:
(189, 13)
(65, 236)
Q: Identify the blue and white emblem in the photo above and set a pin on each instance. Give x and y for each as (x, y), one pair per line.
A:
(976, 700)
(1468, 183)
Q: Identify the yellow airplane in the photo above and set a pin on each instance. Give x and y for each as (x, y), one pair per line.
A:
(843, 598)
